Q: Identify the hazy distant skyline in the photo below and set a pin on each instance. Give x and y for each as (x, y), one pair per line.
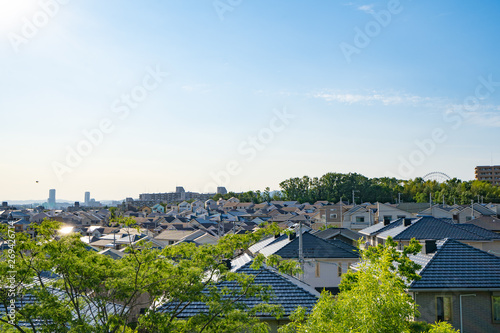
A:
(124, 97)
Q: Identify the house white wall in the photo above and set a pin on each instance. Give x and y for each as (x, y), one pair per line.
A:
(328, 271)
(393, 212)
(465, 215)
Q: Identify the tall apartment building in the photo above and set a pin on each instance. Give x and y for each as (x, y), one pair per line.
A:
(87, 198)
(52, 199)
(490, 174)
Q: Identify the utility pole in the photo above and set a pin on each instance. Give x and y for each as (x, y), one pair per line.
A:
(399, 197)
(301, 252)
(472, 210)
(341, 218)
(353, 197)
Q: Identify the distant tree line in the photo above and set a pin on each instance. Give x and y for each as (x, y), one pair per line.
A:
(251, 196)
(337, 186)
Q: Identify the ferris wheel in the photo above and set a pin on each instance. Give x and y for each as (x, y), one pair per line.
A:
(439, 177)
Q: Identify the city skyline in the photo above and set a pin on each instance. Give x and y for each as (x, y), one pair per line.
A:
(118, 99)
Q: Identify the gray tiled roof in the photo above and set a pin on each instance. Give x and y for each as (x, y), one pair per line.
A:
(287, 293)
(428, 227)
(315, 247)
(459, 266)
(332, 232)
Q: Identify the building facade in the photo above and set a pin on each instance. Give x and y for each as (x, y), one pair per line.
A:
(490, 174)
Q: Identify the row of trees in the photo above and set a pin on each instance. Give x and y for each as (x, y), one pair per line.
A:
(337, 186)
(252, 196)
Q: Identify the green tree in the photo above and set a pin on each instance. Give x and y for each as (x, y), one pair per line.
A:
(372, 299)
(442, 327)
(95, 293)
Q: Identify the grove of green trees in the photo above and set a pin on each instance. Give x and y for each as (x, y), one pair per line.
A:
(338, 186)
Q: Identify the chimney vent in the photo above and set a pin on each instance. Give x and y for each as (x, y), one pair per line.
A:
(429, 246)
(407, 222)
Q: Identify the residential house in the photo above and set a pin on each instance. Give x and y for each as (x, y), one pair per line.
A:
(459, 284)
(386, 212)
(491, 223)
(325, 261)
(431, 228)
(183, 206)
(346, 235)
(358, 217)
(210, 204)
(158, 208)
(286, 291)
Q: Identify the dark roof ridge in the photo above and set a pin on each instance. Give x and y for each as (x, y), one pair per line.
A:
(329, 243)
(471, 231)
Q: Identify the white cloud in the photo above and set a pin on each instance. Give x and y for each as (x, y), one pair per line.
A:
(482, 115)
(366, 8)
(372, 98)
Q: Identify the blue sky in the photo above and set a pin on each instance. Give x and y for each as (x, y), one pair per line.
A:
(226, 73)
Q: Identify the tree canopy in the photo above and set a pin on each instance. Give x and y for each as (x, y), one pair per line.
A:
(337, 186)
(95, 293)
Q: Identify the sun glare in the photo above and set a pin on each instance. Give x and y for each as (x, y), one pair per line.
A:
(13, 11)
(66, 230)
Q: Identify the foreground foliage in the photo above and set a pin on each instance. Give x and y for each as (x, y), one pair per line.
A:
(95, 293)
(372, 299)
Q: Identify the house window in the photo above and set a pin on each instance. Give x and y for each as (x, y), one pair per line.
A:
(349, 265)
(443, 308)
(387, 218)
(317, 270)
(360, 219)
(496, 309)
(401, 216)
(339, 269)
(468, 218)
(333, 216)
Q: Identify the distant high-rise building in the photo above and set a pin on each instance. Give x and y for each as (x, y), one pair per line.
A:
(221, 190)
(490, 174)
(5, 204)
(87, 198)
(52, 199)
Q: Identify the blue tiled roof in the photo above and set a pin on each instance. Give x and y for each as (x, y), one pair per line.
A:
(89, 310)
(459, 266)
(290, 295)
(315, 247)
(428, 227)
